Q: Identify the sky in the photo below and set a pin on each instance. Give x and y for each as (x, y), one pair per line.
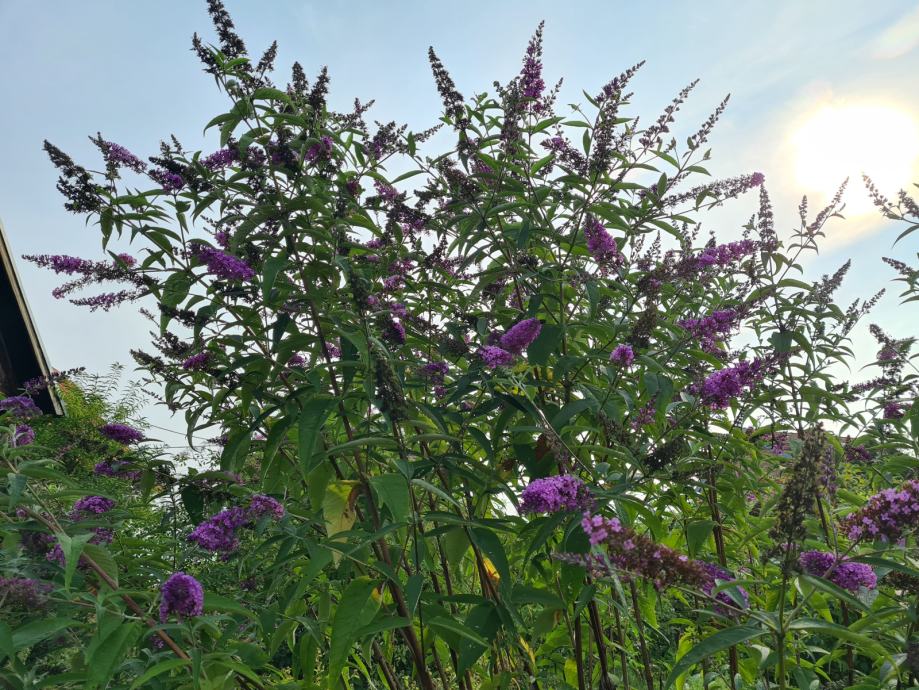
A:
(819, 90)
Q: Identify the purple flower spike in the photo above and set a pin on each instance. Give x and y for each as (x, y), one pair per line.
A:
(222, 264)
(495, 357)
(23, 436)
(886, 515)
(623, 355)
(197, 362)
(722, 386)
(23, 593)
(563, 492)
(601, 245)
(21, 406)
(520, 335)
(91, 505)
(182, 595)
(218, 532)
(265, 506)
(169, 181)
(120, 157)
(122, 433)
(846, 574)
(220, 159)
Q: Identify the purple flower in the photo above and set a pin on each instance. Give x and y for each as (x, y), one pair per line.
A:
(601, 245)
(169, 181)
(122, 433)
(91, 505)
(851, 576)
(555, 494)
(644, 415)
(857, 454)
(21, 406)
(220, 159)
(623, 355)
(715, 574)
(520, 335)
(712, 328)
(197, 362)
(393, 283)
(218, 532)
(296, 360)
(182, 595)
(724, 254)
(722, 386)
(494, 356)
(24, 435)
(385, 191)
(23, 593)
(120, 157)
(398, 309)
(846, 574)
(222, 264)
(893, 410)
(886, 515)
(394, 332)
(265, 506)
(531, 81)
(321, 149)
(435, 371)
(635, 554)
(757, 179)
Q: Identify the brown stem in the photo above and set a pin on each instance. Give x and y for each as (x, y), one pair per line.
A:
(718, 533)
(639, 624)
(605, 681)
(579, 653)
(623, 659)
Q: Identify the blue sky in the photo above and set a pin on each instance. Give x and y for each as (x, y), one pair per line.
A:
(125, 69)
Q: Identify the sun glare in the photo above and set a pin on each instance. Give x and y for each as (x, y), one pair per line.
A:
(839, 141)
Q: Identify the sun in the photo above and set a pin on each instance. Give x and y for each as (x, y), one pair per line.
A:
(837, 141)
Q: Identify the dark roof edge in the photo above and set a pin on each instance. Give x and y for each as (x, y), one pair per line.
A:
(38, 350)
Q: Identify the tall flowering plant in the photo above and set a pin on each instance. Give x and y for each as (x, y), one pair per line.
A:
(484, 424)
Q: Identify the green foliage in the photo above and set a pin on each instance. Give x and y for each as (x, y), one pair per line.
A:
(361, 345)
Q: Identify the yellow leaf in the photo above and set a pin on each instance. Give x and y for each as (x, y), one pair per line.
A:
(338, 509)
(490, 570)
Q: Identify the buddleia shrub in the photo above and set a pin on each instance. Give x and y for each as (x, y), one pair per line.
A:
(506, 418)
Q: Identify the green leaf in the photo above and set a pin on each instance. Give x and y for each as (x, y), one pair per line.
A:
(36, 631)
(103, 559)
(215, 602)
(350, 617)
(6, 641)
(484, 621)
(539, 350)
(834, 590)
(176, 288)
(697, 534)
(101, 664)
(312, 417)
(157, 670)
(72, 548)
(711, 645)
(488, 541)
(454, 627)
(817, 626)
(393, 491)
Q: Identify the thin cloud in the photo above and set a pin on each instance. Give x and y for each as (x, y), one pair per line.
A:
(898, 39)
